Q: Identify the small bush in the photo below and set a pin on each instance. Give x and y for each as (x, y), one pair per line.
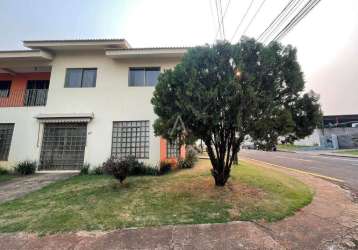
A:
(3, 171)
(150, 171)
(26, 167)
(137, 168)
(84, 170)
(165, 167)
(97, 170)
(118, 168)
(130, 165)
(190, 159)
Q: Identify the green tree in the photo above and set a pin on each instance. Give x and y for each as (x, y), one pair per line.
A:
(224, 93)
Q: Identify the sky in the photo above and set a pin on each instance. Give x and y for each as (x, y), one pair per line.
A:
(326, 39)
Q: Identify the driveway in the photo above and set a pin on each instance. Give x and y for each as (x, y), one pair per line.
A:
(21, 186)
(342, 168)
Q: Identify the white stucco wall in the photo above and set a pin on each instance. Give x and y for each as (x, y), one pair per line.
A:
(111, 100)
(25, 143)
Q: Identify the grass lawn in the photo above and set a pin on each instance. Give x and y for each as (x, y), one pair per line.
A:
(183, 197)
(6, 177)
(290, 147)
(349, 152)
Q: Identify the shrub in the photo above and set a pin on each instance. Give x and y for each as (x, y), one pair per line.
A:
(129, 167)
(190, 159)
(118, 168)
(26, 167)
(148, 170)
(165, 167)
(136, 168)
(84, 170)
(3, 171)
(97, 170)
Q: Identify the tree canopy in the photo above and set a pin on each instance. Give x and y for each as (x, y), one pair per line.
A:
(226, 92)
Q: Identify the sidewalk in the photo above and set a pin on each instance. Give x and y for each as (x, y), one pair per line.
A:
(329, 222)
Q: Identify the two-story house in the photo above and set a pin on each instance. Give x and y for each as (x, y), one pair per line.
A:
(66, 102)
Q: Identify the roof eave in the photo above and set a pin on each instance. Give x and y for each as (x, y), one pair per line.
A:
(99, 44)
(26, 54)
(146, 53)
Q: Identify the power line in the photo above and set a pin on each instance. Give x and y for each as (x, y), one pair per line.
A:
(276, 18)
(222, 20)
(217, 14)
(295, 22)
(242, 20)
(213, 17)
(252, 19)
(303, 12)
(225, 11)
(289, 12)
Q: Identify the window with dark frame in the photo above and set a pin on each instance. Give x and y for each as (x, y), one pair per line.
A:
(130, 138)
(6, 131)
(173, 149)
(5, 88)
(81, 78)
(143, 76)
(36, 92)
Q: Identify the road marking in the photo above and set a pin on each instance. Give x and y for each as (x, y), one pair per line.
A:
(292, 169)
(292, 158)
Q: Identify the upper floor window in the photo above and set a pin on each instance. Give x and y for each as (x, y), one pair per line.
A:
(81, 78)
(5, 88)
(143, 76)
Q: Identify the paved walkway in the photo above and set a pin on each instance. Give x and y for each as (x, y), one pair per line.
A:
(329, 222)
(21, 186)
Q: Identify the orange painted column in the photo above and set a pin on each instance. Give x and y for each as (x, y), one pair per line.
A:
(163, 149)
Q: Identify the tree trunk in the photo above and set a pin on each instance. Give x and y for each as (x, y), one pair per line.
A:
(220, 179)
(221, 165)
(220, 173)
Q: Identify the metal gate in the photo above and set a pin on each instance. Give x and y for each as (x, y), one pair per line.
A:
(63, 146)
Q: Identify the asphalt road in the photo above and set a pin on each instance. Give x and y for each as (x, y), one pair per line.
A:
(345, 169)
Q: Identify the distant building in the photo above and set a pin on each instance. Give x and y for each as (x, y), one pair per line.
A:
(339, 131)
(330, 121)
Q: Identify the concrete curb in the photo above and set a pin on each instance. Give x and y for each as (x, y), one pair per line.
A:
(285, 151)
(339, 155)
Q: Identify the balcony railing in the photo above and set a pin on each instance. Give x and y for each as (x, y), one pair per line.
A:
(26, 97)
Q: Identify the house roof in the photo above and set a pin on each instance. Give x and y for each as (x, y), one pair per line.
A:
(79, 44)
(23, 59)
(25, 54)
(157, 52)
(42, 51)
